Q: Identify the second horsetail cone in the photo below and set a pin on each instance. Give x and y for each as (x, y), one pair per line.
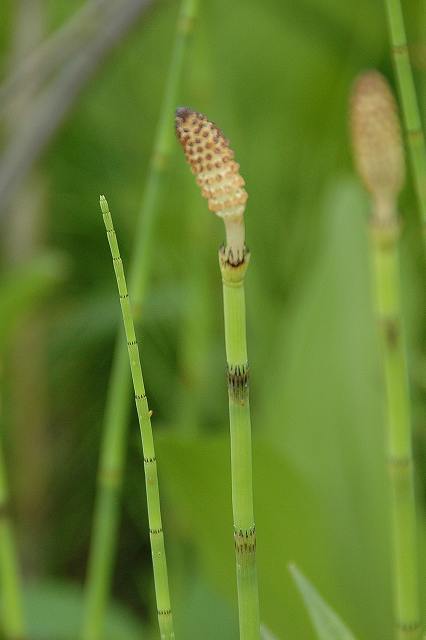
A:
(218, 175)
(377, 142)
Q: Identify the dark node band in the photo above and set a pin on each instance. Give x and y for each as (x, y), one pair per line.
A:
(164, 612)
(391, 331)
(408, 626)
(402, 462)
(156, 531)
(245, 540)
(111, 477)
(238, 381)
(400, 49)
(415, 134)
(150, 460)
(231, 260)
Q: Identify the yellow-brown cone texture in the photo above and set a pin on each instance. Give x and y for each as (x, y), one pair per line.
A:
(377, 140)
(212, 162)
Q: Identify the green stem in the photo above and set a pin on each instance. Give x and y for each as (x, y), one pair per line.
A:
(116, 420)
(387, 291)
(12, 618)
(165, 619)
(194, 345)
(241, 450)
(410, 109)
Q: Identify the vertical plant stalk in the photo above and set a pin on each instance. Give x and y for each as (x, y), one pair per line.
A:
(410, 108)
(379, 157)
(165, 619)
(114, 435)
(212, 161)
(12, 614)
(241, 450)
(12, 617)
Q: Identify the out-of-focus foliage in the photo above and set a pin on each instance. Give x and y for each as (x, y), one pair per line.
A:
(66, 601)
(275, 76)
(326, 622)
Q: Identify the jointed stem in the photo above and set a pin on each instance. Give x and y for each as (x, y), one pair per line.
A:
(117, 410)
(241, 450)
(223, 186)
(165, 620)
(410, 109)
(387, 285)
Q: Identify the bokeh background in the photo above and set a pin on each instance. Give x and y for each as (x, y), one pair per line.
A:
(276, 76)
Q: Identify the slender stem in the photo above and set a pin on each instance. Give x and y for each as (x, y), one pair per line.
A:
(165, 619)
(117, 411)
(194, 343)
(51, 106)
(45, 57)
(12, 618)
(241, 450)
(410, 109)
(387, 292)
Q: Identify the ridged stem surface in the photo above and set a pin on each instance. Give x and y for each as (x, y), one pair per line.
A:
(165, 619)
(241, 448)
(116, 419)
(400, 461)
(410, 109)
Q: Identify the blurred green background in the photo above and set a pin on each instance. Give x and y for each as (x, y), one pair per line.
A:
(276, 76)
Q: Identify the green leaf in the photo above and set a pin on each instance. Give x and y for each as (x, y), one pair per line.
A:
(195, 476)
(326, 622)
(265, 634)
(54, 611)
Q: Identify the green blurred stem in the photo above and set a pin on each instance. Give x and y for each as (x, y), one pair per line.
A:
(405, 561)
(165, 619)
(193, 342)
(241, 450)
(12, 617)
(410, 109)
(112, 461)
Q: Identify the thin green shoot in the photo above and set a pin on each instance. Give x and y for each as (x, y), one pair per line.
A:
(165, 619)
(410, 108)
(116, 419)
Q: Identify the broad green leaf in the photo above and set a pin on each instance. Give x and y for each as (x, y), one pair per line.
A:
(55, 609)
(326, 622)
(322, 408)
(265, 634)
(195, 477)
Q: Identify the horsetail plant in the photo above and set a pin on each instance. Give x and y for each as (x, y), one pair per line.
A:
(217, 173)
(113, 446)
(379, 158)
(165, 619)
(410, 108)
